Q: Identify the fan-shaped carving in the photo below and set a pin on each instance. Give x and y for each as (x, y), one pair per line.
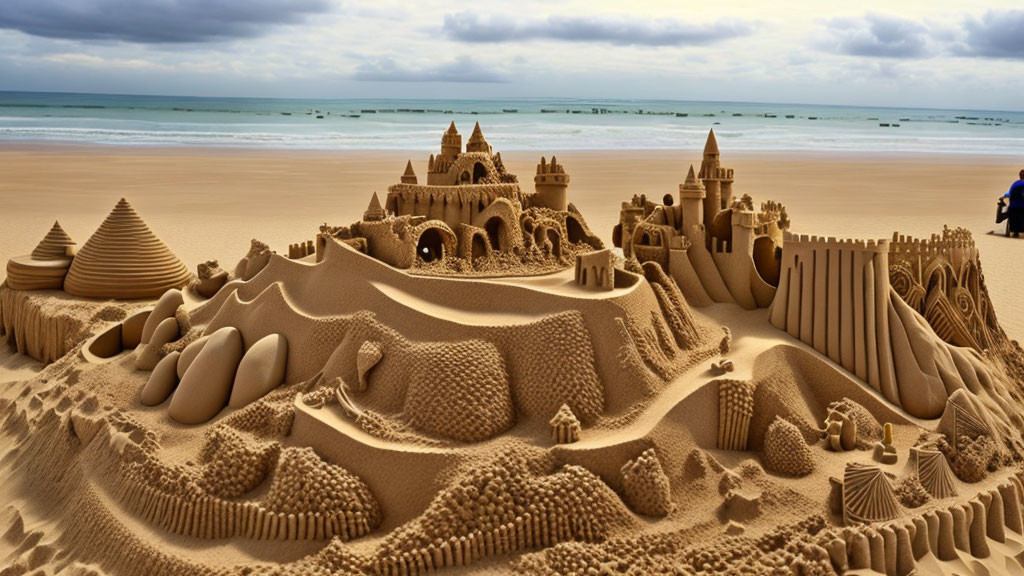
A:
(867, 495)
(934, 473)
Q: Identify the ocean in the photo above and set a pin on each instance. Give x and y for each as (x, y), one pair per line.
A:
(521, 124)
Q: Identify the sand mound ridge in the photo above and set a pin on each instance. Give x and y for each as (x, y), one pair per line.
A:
(124, 259)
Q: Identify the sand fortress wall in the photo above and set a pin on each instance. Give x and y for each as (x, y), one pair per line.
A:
(835, 295)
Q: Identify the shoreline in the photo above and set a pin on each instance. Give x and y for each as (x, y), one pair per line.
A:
(37, 146)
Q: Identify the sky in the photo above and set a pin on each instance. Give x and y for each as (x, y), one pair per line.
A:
(909, 53)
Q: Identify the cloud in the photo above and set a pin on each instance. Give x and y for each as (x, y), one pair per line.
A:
(154, 21)
(462, 69)
(612, 29)
(997, 34)
(878, 35)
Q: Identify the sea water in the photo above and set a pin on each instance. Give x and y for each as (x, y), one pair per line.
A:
(520, 124)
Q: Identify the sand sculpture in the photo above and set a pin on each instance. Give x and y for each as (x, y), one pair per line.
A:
(716, 247)
(47, 265)
(124, 259)
(466, 378)
(471, 217)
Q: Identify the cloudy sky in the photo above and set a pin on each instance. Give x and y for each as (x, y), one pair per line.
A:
(921, 53)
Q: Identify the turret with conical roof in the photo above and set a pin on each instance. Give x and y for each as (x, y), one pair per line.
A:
(410, 175)
(374, 212)
(691, 200)
(717, 181)
(124, 259)
(552, 185)
(451, 144)
(477, 142)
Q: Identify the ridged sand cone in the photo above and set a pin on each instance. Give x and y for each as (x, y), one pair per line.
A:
(54, 246)
(46, 267)
(124, 259)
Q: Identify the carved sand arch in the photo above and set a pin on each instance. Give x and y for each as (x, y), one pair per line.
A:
(574, 230)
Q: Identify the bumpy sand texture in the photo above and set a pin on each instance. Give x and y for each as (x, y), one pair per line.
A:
(515, 400)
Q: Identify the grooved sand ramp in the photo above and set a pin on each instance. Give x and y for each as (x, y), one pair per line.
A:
(124, 259)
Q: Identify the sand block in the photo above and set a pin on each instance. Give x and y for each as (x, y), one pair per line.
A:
(189, 354)
(206, 385)
(162, 381)
(165, 308)
(261, 370)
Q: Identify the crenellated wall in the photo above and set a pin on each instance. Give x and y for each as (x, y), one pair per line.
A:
(835, 295)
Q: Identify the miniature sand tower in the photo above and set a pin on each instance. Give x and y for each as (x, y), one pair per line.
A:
(46, 267)
(552, 185)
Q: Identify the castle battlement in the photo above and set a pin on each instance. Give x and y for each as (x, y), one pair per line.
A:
(815, 242)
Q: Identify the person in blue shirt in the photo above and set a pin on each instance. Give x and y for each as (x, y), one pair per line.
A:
(1014, 212)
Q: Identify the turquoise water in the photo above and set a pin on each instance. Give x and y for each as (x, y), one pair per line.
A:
(525, 124)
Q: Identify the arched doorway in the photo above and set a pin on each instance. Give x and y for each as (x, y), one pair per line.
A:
(478, 246)
(479, 172)
(430, 246)
(556, 243)
(496, 229)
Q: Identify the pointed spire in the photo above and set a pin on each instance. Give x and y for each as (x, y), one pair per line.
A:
(542, 168)
(54, 246)
(452, 129)
(711, 146)
(554, 165)
(691, 179)
(410, 175)
(374, 212)
(477, 142)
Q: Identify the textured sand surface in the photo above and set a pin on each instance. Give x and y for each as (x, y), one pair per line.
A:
(208, 203)
(444, 450)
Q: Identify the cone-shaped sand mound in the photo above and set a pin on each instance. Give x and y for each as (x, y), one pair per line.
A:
(54, 246)
(46, 267)
(124, 259)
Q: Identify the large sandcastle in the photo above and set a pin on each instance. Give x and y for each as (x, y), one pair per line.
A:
(465, 380)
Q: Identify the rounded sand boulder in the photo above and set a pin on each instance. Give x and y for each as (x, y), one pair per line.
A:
(206, 386)
(162, 381)
(165, 308)
(188, 355)
(261, 370)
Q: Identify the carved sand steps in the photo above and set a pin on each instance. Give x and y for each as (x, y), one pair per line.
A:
(124, 259)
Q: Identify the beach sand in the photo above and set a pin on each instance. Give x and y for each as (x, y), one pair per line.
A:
(208, 203)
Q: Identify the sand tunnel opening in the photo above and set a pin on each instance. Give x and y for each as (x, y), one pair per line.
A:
(478, 247)
(430, 246)
(479, 172)
(496, 229)
(575, 231)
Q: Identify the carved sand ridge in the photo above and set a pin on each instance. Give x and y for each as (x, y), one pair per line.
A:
(124, 259)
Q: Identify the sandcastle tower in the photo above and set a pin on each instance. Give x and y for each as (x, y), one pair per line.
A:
(552, 185)
(477, 142)
(717, 181)
(124, 259)
(409, 177)
(374, 212)
(451, 145)
(691, 200)
(46, 267)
